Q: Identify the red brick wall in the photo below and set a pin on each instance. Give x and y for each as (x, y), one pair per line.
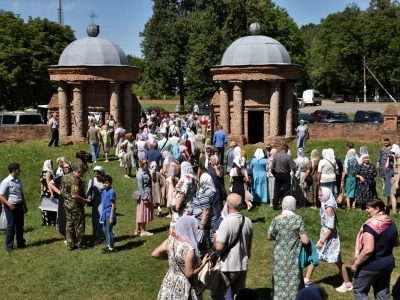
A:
(24, 133)
(351, 132)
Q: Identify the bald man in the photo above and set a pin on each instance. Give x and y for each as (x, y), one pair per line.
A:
(233, 242)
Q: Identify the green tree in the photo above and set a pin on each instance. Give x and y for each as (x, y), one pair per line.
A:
(26, 49)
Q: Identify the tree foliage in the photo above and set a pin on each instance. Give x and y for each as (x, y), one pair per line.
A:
(184, 38)
(26, 49)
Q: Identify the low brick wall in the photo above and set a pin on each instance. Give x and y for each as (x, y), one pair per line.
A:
(351, 132)
(24, 133)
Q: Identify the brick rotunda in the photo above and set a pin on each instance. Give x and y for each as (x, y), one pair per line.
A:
(93, 75)
(255, 101)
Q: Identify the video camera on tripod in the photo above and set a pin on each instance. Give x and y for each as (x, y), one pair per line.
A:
(84, 157)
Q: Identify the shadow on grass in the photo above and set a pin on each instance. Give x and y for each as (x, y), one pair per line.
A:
(121, 238)
(160, 229)
(44, 242)
(335, 280)
(28, 229)
(265, 293)
(258, 220)
(130, 245)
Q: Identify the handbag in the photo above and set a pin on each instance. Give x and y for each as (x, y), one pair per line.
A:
(308, 255)
(3, 219)
(336, 170)
(211, 272)
(341, 197)
(307, 137)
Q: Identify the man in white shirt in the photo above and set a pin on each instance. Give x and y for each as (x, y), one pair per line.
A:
(13, 199)
(233, 242)
(53, 124)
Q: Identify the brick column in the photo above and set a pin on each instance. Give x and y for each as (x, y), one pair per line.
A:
(275, 128)
(127, 106)
(266, 125)
(288, 108)
(238, 108)
(63, 110)
(78, 112)
(115, 101)
(224, 106)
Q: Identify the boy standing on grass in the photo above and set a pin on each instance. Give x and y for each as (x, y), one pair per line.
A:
(108, 217)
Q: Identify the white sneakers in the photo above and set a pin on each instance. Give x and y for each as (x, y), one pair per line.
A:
(344, 288)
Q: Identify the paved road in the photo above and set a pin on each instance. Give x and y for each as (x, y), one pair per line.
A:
(348, 106)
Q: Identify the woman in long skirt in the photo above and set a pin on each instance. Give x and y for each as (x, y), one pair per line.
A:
(144, 209)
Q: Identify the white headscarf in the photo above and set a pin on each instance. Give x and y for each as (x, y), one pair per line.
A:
(186, 228)
(100, 169)
(47, 166)
(238, 160)
(328, 199)
(288, 205)
(300, 152)
(186, 169)
(396, 149)
(206, 181)
(237, 151)
(351, 153)
(259, 154)
(153, 166)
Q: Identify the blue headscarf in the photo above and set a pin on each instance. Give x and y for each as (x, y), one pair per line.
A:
(175, 151)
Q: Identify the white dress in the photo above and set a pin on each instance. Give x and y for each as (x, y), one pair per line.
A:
(330, 251)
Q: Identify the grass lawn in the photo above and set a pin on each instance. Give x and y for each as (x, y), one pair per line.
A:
(46, 270)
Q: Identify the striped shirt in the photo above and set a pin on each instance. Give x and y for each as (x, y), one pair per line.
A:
(207, 198)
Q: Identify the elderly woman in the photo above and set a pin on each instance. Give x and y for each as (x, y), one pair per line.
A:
(119, 136)
(301, 130)
(271, 178)
(310, 179)
(374, 260)
(94, 192)
(156, 187)
(60, 162)
(327, 167)
(48, 217)
(328, 244)
(366, 186)
(144, 209)
(216, 171)
(182, 254)
(288, 233)
(350, 170)
(299, 186)
(259, 185)
(126, 155)
(169, 161)
(206, 210)
(238, 178)
(141, 146)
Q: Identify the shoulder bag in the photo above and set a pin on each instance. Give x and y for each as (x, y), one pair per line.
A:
(211, 272)
(334, 169)
(308, 255)
(341, 197)
(307, 135)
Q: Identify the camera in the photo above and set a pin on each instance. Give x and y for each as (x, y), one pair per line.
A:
(84, 157)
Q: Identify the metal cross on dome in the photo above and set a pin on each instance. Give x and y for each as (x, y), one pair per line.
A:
(92, 15)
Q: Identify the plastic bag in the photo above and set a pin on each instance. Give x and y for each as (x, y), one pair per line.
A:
(3, 220)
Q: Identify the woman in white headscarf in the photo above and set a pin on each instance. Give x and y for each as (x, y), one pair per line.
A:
(271, 178)
(180, 249)
(259, 183)
(350, 168)
(288, 233)
(206, 210)
(48, 217)
(94, 192)
(328, 244)
(327, 169)
(238, 178)
(300, 187)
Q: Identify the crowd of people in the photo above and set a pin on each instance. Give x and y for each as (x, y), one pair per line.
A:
(178, 167)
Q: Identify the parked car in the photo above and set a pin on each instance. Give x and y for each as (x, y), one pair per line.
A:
(338, 98)
(301, 102)
(369, 116)
(339, 117)
(305, 117)
(319, 115)
(15, 118)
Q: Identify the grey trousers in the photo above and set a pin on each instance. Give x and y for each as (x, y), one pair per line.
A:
(379, 280)
(235, 280)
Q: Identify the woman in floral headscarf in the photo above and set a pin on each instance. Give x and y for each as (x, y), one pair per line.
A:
(186, 189)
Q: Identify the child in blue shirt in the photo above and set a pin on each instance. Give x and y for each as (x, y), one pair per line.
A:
(108, 217)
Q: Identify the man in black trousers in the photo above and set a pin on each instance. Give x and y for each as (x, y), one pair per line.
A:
(53, 124)
(282, 164)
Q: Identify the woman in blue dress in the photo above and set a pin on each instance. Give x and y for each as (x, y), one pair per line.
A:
(301, 134)
(259, 185)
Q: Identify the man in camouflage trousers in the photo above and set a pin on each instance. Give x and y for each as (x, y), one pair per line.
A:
(73, 191)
